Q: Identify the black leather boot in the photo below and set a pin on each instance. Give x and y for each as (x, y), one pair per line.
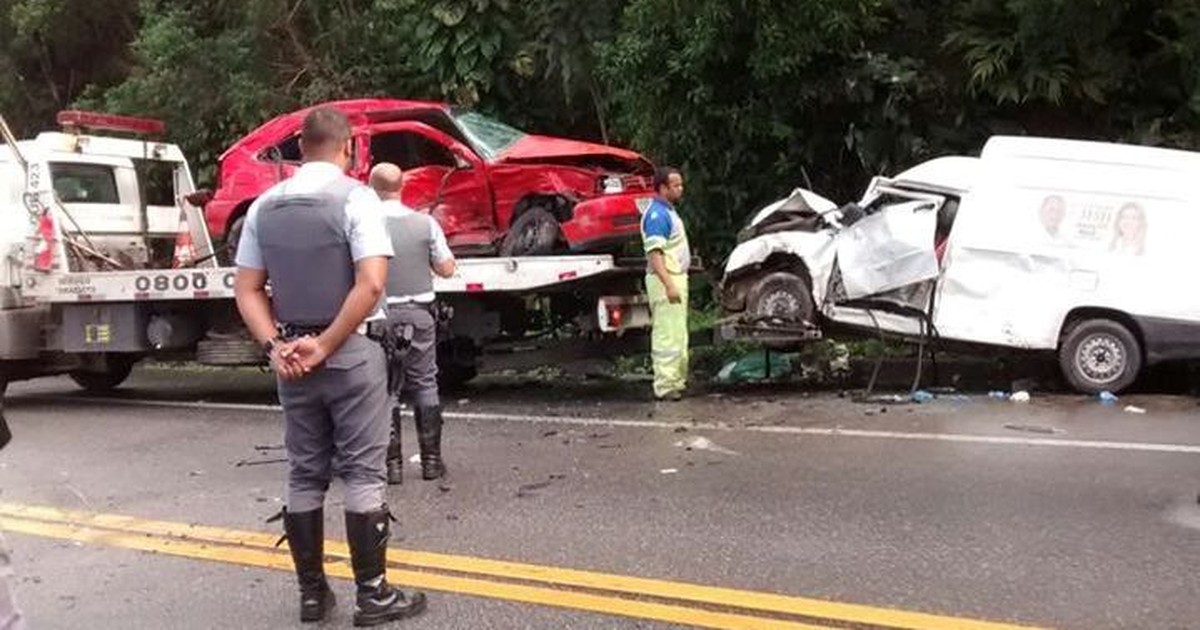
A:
(306, 538)
(377, 601)
(395, 456)
(429, 438)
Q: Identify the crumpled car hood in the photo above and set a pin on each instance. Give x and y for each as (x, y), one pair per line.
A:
(534, 148)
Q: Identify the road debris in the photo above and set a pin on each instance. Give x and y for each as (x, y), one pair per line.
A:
(756, 367)
(259, 462)
(528, 490)
(1136, 410)
(1020, 397)
(921, 396)
(669, 471)
(701, 443)
(1032, 428)
(1107, 398)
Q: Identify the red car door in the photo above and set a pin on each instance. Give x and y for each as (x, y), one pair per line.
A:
(442, 177)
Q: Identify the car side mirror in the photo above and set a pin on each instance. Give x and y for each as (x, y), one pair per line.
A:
(461, 163)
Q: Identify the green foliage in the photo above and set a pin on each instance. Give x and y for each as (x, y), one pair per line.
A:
(750, 97)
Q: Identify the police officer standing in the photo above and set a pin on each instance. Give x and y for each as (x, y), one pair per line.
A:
(319, 238)
(420, 248)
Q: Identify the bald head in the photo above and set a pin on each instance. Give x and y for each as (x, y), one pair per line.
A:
(387, 179)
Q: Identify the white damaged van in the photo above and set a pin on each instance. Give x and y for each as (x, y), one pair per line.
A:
(1082, 248)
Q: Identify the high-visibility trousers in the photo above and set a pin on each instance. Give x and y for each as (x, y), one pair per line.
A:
(669, 335)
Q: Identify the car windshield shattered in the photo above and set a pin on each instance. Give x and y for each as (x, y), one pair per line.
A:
(491, 137)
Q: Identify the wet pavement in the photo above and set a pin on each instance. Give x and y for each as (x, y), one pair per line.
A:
(1057, 513)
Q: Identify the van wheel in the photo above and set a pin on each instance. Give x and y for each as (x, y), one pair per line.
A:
(114, 372)
(780, 296)
(534, 233)
(1100, 355)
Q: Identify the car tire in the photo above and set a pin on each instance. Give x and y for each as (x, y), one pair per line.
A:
(1100, 355)
(228, 256)
(116, 369)
(534, 233)
(457, 363)
(782, 297)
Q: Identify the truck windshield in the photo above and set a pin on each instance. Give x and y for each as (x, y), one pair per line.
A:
(491, 137)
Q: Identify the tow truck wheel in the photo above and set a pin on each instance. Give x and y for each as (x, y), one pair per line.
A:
(232, 235)
(781, 297)
(109, 376)
(1100, 355)
(534, 233)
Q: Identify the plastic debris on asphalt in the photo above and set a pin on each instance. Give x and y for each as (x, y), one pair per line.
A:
(1107, 398)
(700, 443)
(1020, 397)
(1132, 409)
(921, 396)
(998, 395)
(669, 471)
(756, 367)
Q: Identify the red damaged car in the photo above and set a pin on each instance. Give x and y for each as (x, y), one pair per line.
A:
(495, 190)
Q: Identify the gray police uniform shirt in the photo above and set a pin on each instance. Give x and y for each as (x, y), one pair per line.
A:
(365, 226)
(439, 249)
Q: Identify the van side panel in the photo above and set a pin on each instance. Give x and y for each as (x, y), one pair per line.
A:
(1049, 231)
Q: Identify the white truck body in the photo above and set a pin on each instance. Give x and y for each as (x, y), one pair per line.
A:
(98, 271)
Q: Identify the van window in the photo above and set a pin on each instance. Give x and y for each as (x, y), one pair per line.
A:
(84, 183)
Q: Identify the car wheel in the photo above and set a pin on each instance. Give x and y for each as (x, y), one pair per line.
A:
(457, 363)
(1100, 355)
(534, 233)
(117, 368)
(232, 236)
(780, 297)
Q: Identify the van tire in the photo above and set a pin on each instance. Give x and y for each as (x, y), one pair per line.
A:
(1100, 355)
(116, 369)
(534, 233)
(780, 296)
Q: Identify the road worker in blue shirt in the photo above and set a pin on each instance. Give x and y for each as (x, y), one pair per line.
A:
(666, 244)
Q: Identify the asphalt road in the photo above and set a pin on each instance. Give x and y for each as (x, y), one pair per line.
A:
(1059, 513)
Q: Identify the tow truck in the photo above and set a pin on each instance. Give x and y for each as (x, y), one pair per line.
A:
(105, 260)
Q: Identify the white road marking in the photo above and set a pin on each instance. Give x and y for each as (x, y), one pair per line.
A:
(1152, 447)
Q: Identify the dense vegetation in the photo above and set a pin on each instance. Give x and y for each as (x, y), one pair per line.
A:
(749, 97)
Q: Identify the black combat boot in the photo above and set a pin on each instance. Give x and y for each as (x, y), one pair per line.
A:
(395, 456)
(306, 538)
(429, 438)
(377, 601)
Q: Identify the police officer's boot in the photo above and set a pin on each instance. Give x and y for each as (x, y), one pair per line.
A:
(429, 438)
(395, 456)
(306, 538)
(377, 601)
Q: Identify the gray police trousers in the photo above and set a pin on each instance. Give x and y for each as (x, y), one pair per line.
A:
(337, 425)
(414, 368)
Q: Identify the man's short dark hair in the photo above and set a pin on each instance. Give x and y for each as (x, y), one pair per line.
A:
(324, 127)
(662, 174)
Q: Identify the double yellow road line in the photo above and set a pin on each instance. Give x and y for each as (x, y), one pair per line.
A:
(641, 598)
